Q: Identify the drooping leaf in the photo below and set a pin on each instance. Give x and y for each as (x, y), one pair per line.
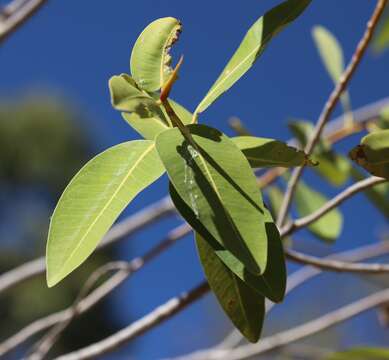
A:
(373, 153)
(262, 152)
(150, 59)
(244, 306)
(272, 283)
(331, 54)
(361, 354)
(94, 199)
(329, 226)
(215, 180)
(252, 46)
(378, 195)
(332, 167)
(126, 97)
(151, 125)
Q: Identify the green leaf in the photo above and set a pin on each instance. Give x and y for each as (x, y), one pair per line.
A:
(252, 46)
(373, 153)
(329, 226)
(216, 182)
(126, 97)
(94, 199)
(378, 195)
(151, 125)
(332, 167)
(381, 36)
(331, 53)
(262, 152)
(244, 306)
(150, 59)
(361, 354)
(272, 283)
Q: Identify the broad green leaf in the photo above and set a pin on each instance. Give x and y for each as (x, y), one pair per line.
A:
(262, 152)
(329, 226)
(126, 97)
(94, 199)
(150, 59)
(150, 127)
(333, 167)
(361, 354)
(373, 153)
(272, 283)
(215, 180)
(252, 46)
(378, 195)
(331, 54)
(244, 306)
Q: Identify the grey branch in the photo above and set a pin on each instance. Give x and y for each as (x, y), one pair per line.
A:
(158, 315)
(311, 327)
(95, 296)
(121, 230)
(13, 15)
(330, 106)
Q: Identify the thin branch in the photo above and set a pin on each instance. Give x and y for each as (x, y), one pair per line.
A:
(119, 231)
(295, 280)
(330, 105)
(158, 315)
(310, 328)
(95, 296)
(332, 204)
(16, 13)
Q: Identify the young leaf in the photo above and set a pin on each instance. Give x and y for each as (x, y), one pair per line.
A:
(381, 37)
(150, 59)
(244, 306)
(150, 127)
(126, 97)
(252, 46)
(216, 182)
(361, 354)
(94, 199)
(272, 284)
(262, 152)
(373, 153)
(329, 226)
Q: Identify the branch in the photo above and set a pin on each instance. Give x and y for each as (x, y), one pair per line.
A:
(330, 105)
(16, 13)
(311, 327)
(158, 315)
(296, 279)
(95, 296)
(129, 226)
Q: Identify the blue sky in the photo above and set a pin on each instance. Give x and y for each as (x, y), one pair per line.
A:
(72, 47)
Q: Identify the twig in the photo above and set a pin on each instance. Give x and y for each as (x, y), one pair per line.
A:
(158, 315)
(95, 296)
(129, 226)
(331, 204)
(330, 105)
(16, 13)
(296, 279)
(309, 328)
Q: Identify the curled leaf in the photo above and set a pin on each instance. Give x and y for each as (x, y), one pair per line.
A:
(150, 58)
